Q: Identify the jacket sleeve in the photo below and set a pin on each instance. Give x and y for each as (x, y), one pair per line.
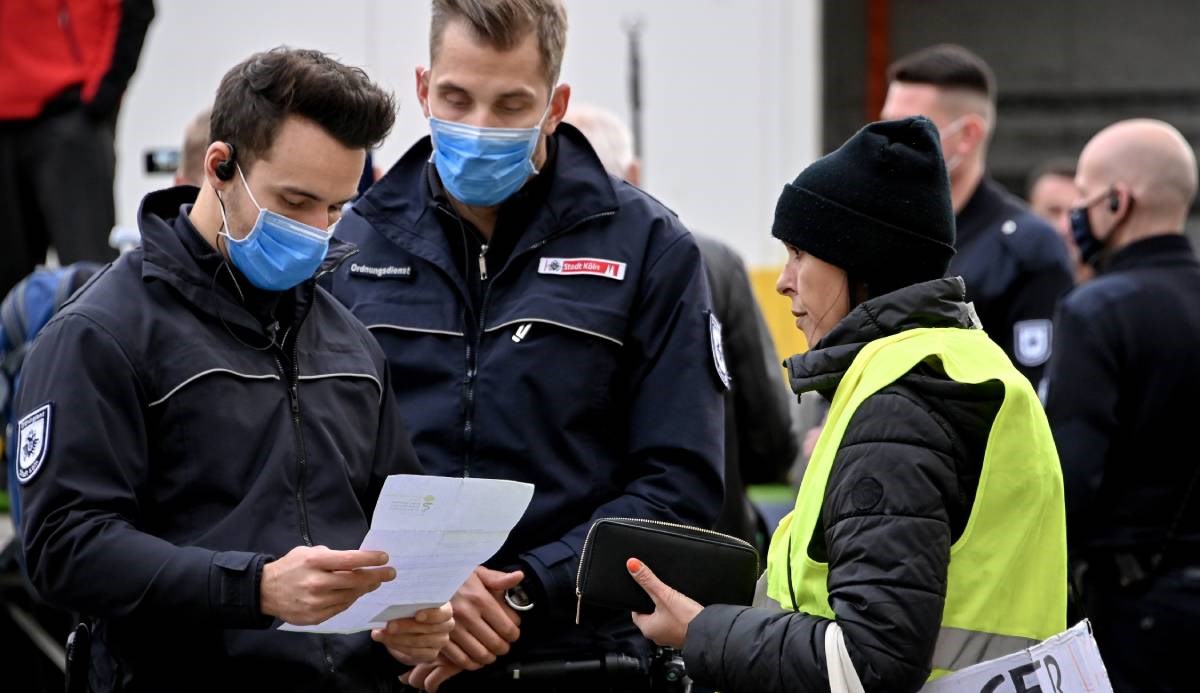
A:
(675, 418)
(767, 445)
(1035, 295)
(84, 549)
(1081, 403)
(887, 542)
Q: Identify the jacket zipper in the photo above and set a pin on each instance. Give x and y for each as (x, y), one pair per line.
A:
(293, 388)
(587, 542)
(473, 342)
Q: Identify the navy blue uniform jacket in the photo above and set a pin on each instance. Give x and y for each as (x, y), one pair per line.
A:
(178, 460)
(1016, 270)
(609, 401)
(1122, 401)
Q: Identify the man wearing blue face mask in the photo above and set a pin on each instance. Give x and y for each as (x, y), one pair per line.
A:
(204, 432)
(546, 323)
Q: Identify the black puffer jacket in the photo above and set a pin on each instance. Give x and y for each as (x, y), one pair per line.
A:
(899, 495)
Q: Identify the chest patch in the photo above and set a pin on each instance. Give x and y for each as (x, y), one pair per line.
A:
(1031, 342)
(381, 271)
(32, 441)
(570, 266)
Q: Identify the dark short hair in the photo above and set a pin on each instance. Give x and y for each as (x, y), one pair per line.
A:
(504, 23)
(258, 94)
(1062, 166)
(947, 66)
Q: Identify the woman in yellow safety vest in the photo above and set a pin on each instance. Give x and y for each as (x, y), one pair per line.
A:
(928, 534)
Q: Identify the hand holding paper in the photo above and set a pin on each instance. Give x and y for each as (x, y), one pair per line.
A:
(313, 583)
(434, 530)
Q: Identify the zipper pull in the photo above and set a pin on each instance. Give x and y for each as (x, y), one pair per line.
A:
(578, 605)
(521, 332)
(483, 275)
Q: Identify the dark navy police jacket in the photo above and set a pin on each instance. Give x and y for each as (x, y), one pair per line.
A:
(588, 369)
(1122, 403)
(178, 459)
(1016, 270)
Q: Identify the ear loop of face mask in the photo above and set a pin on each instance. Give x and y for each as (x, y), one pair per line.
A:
(950, 131)
(225, 265)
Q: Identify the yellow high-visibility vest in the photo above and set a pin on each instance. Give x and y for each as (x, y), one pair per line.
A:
(1007, 583)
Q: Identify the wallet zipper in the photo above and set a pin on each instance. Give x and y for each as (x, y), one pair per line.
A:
(587, 542)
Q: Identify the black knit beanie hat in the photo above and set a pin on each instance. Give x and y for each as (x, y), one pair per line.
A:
(878, 207)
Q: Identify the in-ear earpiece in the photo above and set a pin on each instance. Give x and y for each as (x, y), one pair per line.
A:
(225, 169)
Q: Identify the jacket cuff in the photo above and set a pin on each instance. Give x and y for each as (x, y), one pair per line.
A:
(553, 566)
(234, 582)
(704, 646)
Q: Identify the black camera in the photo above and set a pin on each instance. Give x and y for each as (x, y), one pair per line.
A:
(668, 674)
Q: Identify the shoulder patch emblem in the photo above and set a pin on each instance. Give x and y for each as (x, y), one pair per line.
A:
(718, 348)
(32, 441)
(1031, 342)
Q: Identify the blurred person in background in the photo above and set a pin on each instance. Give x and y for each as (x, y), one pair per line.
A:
(65, 68)
(936, 464)
(760, 442)
(1014, 266)
(204, 432)
(1050, 192)
(195, 145)
(1122, 402)
(545, 322)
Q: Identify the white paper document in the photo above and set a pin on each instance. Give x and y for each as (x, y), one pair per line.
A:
(435, 530)
(1065, 663)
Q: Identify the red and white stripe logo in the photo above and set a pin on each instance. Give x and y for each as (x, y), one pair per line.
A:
(582, 265)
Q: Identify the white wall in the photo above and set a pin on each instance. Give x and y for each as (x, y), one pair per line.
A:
(730, 88)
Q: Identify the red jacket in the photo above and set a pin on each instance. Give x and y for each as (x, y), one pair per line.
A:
(48, 46)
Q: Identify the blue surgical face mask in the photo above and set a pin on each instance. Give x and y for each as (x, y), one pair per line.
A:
(481, 166)
(278, 253)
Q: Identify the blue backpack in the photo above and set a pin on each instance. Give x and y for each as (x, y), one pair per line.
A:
(24, 312)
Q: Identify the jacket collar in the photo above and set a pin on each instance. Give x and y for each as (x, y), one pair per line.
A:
(192, 272)
(1155, 251)
(936, 303)
(402, 205)
(982, 208)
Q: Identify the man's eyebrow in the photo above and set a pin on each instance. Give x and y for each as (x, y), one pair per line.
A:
(510, 94)
(293, 190)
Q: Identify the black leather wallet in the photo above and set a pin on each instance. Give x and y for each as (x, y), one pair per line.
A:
(708, 566)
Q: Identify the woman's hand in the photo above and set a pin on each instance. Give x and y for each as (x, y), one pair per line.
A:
(673, 611)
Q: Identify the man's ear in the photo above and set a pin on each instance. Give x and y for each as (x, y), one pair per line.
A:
(216, 154)
(422, 83)
(633, 172)
(559, 101)
(974, 133)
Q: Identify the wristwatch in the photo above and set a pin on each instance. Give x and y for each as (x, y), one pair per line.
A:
(518, 598)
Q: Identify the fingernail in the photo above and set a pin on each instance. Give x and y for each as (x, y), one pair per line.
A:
(383, 557)
(633, 565)
(422, 617)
